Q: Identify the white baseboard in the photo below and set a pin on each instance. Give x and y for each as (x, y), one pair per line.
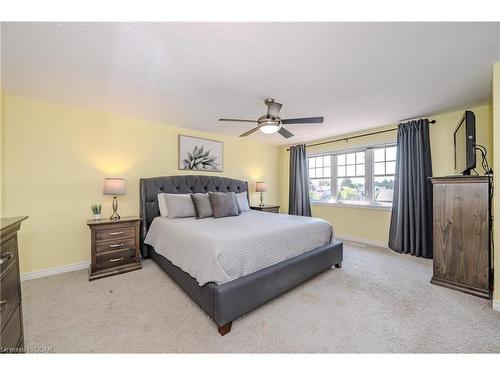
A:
(361, 240)
(54, 270)
(496, 305)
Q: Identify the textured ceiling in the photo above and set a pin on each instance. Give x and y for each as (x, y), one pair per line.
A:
(356, 75)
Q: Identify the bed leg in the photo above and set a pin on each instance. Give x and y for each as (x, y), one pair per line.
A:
(338, 265)
(225, 329)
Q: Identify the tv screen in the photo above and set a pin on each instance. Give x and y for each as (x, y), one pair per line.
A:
(465, 144)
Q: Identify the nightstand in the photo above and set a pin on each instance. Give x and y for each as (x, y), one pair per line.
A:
(267, 208)
(114, 246)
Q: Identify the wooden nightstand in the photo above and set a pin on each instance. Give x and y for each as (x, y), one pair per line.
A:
(114, 246)
(267, 208)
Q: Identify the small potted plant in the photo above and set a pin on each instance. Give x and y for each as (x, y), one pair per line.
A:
(96, 210)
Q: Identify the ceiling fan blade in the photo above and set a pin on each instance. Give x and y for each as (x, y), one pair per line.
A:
(273, 109)
(285, 133)
(236, 120)
(305, 120)
(249, 132)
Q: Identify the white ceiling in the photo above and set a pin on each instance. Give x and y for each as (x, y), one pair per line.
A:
(356, 75)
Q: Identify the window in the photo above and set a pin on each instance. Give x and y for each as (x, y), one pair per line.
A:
(351, 177)
(361, 176)
(384, 170)
(320, 183)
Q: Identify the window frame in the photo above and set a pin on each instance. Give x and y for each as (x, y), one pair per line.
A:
(369, 176)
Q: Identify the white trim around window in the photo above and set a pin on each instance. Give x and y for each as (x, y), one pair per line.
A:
(359, 170)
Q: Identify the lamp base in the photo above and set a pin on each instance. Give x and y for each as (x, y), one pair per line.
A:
(115, 215)
(261, 199)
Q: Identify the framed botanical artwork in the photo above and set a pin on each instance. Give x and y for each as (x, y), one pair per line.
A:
(200, 154)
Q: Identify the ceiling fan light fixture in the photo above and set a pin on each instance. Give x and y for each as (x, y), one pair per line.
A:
(269, 126)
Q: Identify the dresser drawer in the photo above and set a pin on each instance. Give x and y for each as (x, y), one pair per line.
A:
(115, 258)
(10, 336)
(9, 294)
(8, 253)
(114, 233)
(117, 244)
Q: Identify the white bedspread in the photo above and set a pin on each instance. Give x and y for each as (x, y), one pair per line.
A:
(221, 250)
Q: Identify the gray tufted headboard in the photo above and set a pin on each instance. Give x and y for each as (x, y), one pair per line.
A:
(150, 187)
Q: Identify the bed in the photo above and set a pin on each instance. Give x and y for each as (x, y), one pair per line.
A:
(232, 272)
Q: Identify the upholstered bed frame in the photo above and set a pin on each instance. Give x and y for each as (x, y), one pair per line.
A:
(224, 303)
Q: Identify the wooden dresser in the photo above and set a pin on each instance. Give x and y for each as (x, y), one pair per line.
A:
(11, 311)
(114, 246)
(461, 234)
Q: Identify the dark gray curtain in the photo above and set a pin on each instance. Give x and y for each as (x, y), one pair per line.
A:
(411, 220)
(298, 202)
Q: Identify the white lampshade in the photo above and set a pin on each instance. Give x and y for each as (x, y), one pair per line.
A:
(260, 186)
(114, 186)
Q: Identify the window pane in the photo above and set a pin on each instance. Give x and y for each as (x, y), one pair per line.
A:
(383, 190)
(379, 168)
(360, 157)
(351, 189)
(327, 161)
(390, 167)
(341, 159)
(319, 172)
(351, 170)
(327, 171)
(312, 173)
(312, 162)
(351, 158)
(390, 153)
(378, 154)
(320, 189)
(319, 162)
(341, 172)
(360, 170)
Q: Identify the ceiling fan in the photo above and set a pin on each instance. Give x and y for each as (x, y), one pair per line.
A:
(271, 122)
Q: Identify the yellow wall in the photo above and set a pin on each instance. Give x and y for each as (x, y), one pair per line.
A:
(373, 223)
(55, 158)
(496, 172)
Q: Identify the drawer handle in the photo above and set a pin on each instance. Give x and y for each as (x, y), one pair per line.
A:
(116, 259)
(117, 245)
(2, 305)
(115, 233)
(5, 257)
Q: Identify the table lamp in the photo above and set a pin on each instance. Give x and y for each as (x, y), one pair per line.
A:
(260, 187)
(114, 186)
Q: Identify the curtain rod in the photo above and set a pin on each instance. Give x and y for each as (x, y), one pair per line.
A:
(356, 136)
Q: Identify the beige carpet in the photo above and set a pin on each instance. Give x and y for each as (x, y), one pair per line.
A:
(379, 301)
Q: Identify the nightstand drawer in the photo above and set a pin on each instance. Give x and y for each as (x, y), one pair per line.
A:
(9, 294)
(115, 258)
(117, 244)
(8, 253)
(114, 233)
(274, 210)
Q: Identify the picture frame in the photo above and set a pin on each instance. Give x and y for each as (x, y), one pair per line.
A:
(200, 154)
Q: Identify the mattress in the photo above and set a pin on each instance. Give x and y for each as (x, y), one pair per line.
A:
(224, 249)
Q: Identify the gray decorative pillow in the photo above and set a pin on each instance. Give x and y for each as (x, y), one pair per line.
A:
(202, 205)
(179, 205)
(223, 204)
(242, 202)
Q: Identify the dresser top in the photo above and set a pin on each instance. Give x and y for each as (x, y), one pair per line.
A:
(9, 222)
(459, 179)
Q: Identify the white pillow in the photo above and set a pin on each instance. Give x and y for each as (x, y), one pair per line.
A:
(179, 205)
(162, 204)
(242, 200)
